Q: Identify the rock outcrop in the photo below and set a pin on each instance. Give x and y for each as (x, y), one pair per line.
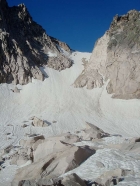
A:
(110, 178)
(25, 46)
(116, 58)
(44, 161)
(36, 147)
(69, 180)
(36, 122)
(54, 164)
(91, 133)
(73, 180)
(61, 45)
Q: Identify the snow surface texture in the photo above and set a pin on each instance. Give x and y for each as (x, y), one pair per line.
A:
(65, 108)
(111, 159)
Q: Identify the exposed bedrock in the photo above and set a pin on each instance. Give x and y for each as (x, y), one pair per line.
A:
(51, 157)
(25, 47)
(116, 57)
(70, 180)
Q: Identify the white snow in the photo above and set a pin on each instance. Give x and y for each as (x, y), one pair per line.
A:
(56, 99)
(111, 159)
(50, 54)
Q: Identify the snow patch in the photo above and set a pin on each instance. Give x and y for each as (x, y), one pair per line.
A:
(50, 54)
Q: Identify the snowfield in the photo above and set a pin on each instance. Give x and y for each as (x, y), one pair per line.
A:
(66, 108)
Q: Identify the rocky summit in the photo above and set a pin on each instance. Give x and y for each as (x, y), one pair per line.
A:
(25, 47)
(115, 58)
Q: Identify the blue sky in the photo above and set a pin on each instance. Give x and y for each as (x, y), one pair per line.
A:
(79, 23)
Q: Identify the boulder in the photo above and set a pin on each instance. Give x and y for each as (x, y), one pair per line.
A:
(31, 141)
(38, 122)
(70, 180)
(25, 154)
(16, 90)
(54, 165)
(110, 178)
(92, 132)
(73, 180)
(37, 147)
(53, 145)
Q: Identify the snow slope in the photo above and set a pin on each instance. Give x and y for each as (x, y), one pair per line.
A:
(56, 99)
(111, 159)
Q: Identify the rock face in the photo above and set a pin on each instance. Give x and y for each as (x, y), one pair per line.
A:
(61, 45)
(116, 58)
(25, 46)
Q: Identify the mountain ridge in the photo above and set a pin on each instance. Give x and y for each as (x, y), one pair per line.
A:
(50, 129)
(115, 57)
(25, 47)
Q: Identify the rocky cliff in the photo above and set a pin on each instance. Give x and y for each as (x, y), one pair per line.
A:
(25, 46)
(116, 58)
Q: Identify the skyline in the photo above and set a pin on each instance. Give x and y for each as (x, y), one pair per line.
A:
(77, 24)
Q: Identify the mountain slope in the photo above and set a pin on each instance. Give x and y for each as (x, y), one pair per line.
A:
(116, 57)
(25, 46)
(56, 99)
(65, 108)
(25, 55)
